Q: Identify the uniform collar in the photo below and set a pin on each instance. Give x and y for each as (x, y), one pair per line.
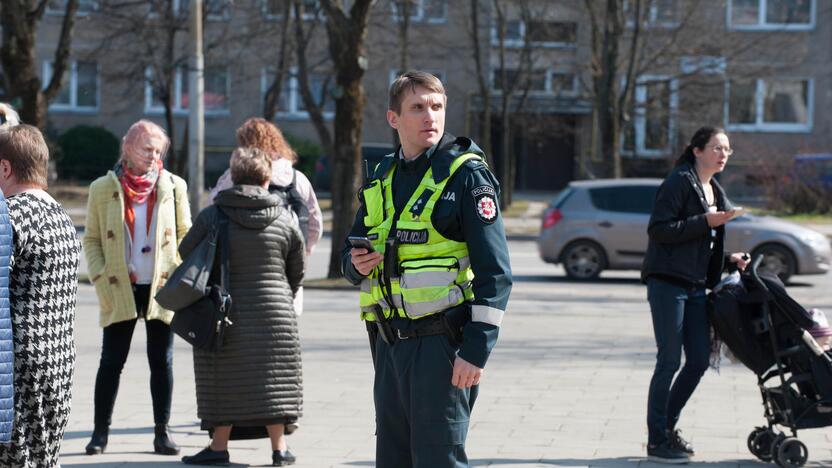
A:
(450, 148)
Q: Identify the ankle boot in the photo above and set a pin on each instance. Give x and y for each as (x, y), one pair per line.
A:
(98, 441)
(162, 443)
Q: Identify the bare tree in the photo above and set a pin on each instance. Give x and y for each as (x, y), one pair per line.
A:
(510, 84)
(347, 34)
(483, 81)
(18, 54)
(314, 104)
(274, 89)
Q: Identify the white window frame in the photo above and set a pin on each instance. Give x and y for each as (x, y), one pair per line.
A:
(547, 91)
(418, 15)
(652, 14)
(294, 99)
(762, 126)
(763, 25)
(177, 9)
(640, 118)
(72, 83)
(517, 43)
(702, 65)
(277, 17)
(177, 109)
(95, 7)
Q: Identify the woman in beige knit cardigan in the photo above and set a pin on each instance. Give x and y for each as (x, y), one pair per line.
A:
(136, 215)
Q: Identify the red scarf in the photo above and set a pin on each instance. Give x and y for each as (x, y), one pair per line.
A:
(138, 189)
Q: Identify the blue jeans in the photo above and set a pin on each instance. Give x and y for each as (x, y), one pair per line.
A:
(680, 320)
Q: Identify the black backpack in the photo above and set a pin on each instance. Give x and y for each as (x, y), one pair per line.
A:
(292, 200)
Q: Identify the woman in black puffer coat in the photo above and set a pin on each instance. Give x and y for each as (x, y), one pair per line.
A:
(253, 384)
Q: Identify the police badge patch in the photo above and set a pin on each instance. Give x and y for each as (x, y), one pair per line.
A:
(485, 201)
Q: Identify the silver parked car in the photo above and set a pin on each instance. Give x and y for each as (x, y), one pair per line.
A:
(596, 225)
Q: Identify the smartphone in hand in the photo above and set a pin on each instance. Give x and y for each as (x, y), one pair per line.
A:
(359, 242)
(736, 212)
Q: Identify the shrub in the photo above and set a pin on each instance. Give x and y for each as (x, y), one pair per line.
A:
(87, 152)
(308, 153)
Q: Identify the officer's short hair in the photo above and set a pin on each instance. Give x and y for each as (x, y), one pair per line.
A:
(250, 166)
(409, 81)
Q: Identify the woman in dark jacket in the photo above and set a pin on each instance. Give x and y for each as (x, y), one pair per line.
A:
(684, 257)
(253, 384)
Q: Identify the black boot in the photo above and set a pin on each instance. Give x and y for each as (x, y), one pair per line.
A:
(162, 443)
(98, 441)
(208, 457)
(282, 458)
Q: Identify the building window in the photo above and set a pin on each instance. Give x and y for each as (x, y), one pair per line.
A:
(657, 13)
(540, 81)
(291, 105)
(771, 14)
(79, 88)
(428, 11)
(538, 33)
(655, 100)
(770, 105)
(85, 7)
(214, 10)
(273, 9)
(216, 84)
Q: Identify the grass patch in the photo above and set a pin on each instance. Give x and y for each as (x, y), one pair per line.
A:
(517, 209)
(797, 218)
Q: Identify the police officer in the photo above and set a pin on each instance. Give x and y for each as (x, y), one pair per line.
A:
(435, 284)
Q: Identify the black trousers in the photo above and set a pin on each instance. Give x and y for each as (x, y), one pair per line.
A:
(114, 349)
(421, 419)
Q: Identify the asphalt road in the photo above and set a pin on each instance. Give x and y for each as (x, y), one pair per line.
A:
(565, 386)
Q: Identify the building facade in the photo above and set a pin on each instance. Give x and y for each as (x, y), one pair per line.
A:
(759, 68)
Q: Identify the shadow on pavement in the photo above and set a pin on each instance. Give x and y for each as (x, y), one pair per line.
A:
(564, 279)
(606, 462)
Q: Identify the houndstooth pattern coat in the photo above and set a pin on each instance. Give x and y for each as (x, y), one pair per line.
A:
(43, 287)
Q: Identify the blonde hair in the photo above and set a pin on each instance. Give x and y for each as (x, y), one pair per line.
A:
(136, 134)
(25, 149)
(259, 133)
(250, 166)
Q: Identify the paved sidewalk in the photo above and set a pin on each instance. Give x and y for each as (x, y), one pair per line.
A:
(566, 385)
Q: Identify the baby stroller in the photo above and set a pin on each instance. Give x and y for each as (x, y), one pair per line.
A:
(767, 330)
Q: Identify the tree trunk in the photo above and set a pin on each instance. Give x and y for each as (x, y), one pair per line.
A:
(347, 35)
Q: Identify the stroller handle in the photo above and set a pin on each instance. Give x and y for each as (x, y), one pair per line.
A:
(755, 263)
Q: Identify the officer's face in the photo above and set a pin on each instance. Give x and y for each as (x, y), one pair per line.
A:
(421, 122)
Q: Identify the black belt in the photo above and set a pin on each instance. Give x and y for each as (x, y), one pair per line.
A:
(429, 326)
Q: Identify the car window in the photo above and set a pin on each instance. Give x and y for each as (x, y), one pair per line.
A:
(627, 199)
(562, 197)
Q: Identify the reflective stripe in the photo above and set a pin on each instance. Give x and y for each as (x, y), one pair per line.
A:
(485, 314)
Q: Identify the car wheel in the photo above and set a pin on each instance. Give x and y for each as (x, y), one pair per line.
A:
(583, 260)
(777, 260)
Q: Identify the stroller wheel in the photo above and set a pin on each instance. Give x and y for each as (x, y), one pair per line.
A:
(792, 453)
(759, 443)
(775, 448)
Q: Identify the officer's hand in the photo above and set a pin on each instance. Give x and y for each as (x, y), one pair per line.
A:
(365, 262)
(466, 375)
(741, 259)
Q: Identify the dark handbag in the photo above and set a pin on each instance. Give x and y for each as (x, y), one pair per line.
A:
(189, 281)
(203, 323)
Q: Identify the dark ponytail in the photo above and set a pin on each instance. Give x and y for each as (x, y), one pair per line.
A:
(699, 140)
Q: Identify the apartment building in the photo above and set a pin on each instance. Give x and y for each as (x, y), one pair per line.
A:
(759, 68)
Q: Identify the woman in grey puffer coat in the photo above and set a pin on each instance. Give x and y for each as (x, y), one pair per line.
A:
(253, 384)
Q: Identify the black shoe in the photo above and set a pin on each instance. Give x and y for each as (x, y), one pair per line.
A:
(208, 457)
(663, 453)
(675, 441)
(162, 443)
(282, 458)
(98, 442)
